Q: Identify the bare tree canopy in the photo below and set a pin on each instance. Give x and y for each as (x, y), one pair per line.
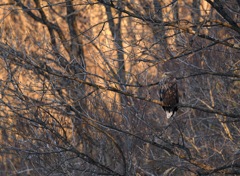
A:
(80, 87)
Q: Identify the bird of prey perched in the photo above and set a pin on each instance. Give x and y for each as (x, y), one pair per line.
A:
(169, 94)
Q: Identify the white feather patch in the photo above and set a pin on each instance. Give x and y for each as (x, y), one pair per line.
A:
(169, 114)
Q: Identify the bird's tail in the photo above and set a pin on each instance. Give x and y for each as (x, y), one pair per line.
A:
(170, 113)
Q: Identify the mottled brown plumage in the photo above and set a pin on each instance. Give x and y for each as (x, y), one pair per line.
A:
(169, 95)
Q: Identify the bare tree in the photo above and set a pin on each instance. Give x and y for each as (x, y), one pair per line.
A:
(80, 81)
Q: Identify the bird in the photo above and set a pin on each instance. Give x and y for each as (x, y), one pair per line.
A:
(168, 93)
